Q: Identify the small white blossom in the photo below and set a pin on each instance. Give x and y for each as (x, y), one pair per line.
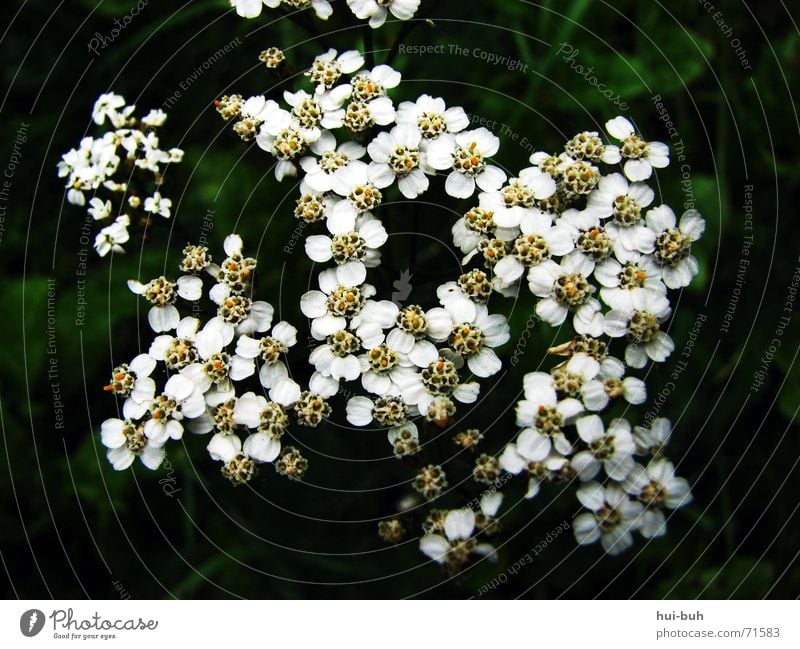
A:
(377, 10)
(673, 244)
(466, 154)
(612, 448)
(639, 318)
(611, 517)
(432, 117)
(640, 156)
(656, 487)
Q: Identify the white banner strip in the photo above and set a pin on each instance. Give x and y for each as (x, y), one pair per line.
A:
(390, 625)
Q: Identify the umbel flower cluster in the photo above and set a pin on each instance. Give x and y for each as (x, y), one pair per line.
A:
(122, 170)
(580, 229)
(375, 11)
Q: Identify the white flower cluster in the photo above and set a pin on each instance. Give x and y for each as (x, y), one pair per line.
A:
(204, 364)
(411, 361)
(580, 227)
(375, 11)
(122, 171)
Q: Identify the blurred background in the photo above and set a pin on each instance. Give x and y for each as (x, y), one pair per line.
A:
(72, 527)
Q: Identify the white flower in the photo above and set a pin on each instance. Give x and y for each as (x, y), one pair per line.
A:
(282, 135)
(180, 400)
(578, 378)
(327, 68)
(368, 85)
(341, 297)
(385, 371)
(432, 117)
(439, 379)
(337, 359)
(611, 519)
(133, 379)
(657, 487)
(109, 105)
(618, 280)
(624, 202)
(322, 174)
(372, 319)
(640, 156)
(651, 441)
(545, 415)
(99, 209)
(639, 318)
(612, 448)
(539, 240)
(632, 389)
(215, 367)
(526, 455)
(125, 441)
(239, 313)
(179, 350)
(377, 10)
(674, 244)
(361, 196)
(478, 225)
(156, 204)
(154, 119)
(514, 200)
(322, 110)
(252, 8)
(564, 287)
(409, 336)
(353, 240)
(459, 524)
(466, 154)
(161, 293)
(239, 459)
(111, 237)
(388, 412)
(471, 332)
(269, 349)
(591, 240)
(396, 156)
(248, 8)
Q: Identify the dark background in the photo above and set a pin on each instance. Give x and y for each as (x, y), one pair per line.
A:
(72, 527)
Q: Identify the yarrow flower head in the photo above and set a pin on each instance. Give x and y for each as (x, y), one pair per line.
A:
(594, 248)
